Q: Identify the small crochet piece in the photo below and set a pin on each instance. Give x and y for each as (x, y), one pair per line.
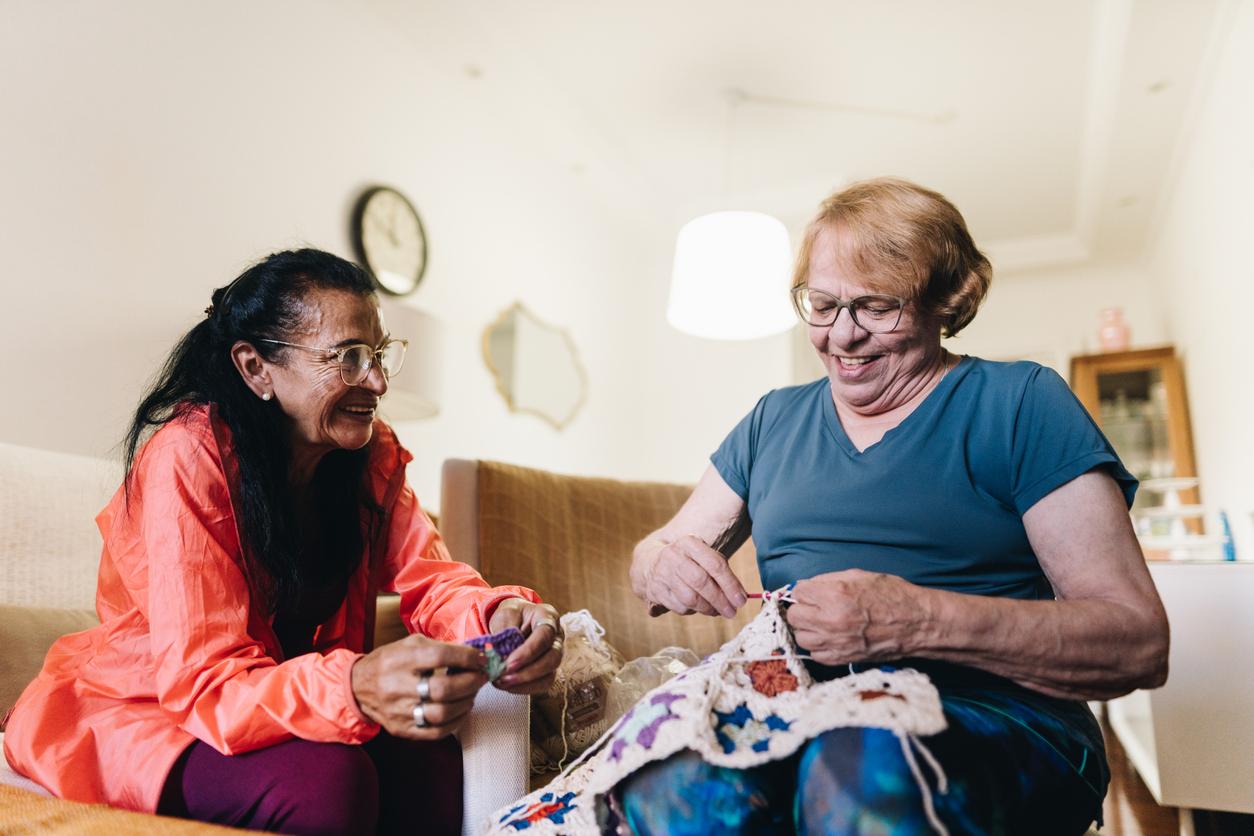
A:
(751, 702)
(497, 648)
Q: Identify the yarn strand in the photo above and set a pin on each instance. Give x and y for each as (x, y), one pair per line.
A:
(929, 808)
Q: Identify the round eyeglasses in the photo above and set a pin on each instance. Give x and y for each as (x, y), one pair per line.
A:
(877, 314)
(356, 360)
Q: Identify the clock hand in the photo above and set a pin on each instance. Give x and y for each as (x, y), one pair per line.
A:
(386, 229)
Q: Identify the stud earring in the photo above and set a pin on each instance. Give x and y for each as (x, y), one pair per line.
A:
(265, 396)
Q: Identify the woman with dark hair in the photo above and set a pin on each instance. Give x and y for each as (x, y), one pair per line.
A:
(962, 517)
(231, 678)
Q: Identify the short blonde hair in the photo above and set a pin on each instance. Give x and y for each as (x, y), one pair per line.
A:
(908, 241)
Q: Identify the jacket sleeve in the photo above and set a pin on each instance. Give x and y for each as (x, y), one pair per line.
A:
(440, 597)
(214, 678)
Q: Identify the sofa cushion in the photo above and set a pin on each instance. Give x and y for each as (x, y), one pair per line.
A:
(26, 812)
(28, 633)
(49, 543)
(570, 538)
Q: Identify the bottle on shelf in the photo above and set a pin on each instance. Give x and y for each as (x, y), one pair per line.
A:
(1229, 548)
(1113, 334)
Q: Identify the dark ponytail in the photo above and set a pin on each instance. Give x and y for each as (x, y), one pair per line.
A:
(265, 302)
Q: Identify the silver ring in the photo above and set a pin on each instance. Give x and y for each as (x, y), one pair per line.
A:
(548, 622)
(424, 688)
(420, 717)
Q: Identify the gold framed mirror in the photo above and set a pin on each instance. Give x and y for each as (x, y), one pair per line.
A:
(535, 366)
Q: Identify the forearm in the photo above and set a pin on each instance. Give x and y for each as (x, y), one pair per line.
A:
(245, 702)
(1080, 649)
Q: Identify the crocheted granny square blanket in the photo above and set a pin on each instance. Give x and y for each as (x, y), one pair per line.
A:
(751, 702)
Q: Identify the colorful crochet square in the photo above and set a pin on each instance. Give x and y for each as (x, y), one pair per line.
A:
(550, 807)
(497, 648)
(641, 724)
(771, 677)
(741, 730)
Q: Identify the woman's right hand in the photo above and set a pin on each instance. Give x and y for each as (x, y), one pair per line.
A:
(687, 576)
(385, 683)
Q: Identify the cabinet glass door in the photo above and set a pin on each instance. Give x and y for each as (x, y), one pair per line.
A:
(1137, 398)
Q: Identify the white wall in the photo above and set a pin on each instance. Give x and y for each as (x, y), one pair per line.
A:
(1051, 315)
(1201, 255)
(153, 149)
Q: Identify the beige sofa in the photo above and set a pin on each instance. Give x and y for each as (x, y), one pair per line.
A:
(49, 553)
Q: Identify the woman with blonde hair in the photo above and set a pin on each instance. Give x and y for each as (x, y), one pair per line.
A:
(962, 517)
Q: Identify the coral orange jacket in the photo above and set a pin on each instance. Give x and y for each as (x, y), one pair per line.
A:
(185, 649)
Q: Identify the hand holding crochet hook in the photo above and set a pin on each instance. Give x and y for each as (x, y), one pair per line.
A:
(682, 567)
(688, 576)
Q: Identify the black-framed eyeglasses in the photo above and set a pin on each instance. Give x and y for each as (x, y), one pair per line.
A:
(875, 313)
(355, 360)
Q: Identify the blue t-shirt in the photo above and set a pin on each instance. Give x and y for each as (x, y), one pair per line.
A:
(939, 500)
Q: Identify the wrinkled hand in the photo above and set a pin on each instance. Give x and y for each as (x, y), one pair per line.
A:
(385, 683)
(531, 668)
(856, 616)
(688, 576)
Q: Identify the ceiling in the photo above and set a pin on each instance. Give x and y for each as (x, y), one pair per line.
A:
(1053, 126)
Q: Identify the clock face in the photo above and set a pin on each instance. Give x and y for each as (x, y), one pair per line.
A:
(391, 240)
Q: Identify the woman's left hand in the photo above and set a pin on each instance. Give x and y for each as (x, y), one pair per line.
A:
(857, 616)
(531, 668)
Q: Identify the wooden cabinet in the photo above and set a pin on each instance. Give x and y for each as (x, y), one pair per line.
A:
(1138, 399)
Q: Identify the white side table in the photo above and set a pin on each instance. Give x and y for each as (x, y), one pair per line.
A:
(1192, 741)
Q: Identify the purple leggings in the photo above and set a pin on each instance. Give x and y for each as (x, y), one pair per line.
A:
(389, 785)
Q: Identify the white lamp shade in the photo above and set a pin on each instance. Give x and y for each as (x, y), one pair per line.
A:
(414, 393)
(730, 280)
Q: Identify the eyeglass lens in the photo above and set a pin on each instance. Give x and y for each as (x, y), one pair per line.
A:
(356, 361)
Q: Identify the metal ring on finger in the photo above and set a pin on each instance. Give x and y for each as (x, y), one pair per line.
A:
(424, 688)
(420, 716)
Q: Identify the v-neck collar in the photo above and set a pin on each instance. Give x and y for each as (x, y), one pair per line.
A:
(929, 405)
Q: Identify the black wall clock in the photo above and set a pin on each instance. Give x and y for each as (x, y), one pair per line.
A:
(390, 240)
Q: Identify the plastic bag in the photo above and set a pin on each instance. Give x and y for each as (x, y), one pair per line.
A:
(639, 676)
(592, 689)
(572, 714)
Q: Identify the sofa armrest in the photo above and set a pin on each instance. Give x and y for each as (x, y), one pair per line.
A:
(459, 510)
(496, 758)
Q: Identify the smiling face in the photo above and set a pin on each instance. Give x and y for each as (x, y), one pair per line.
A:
(870, 373)
(325, 413)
